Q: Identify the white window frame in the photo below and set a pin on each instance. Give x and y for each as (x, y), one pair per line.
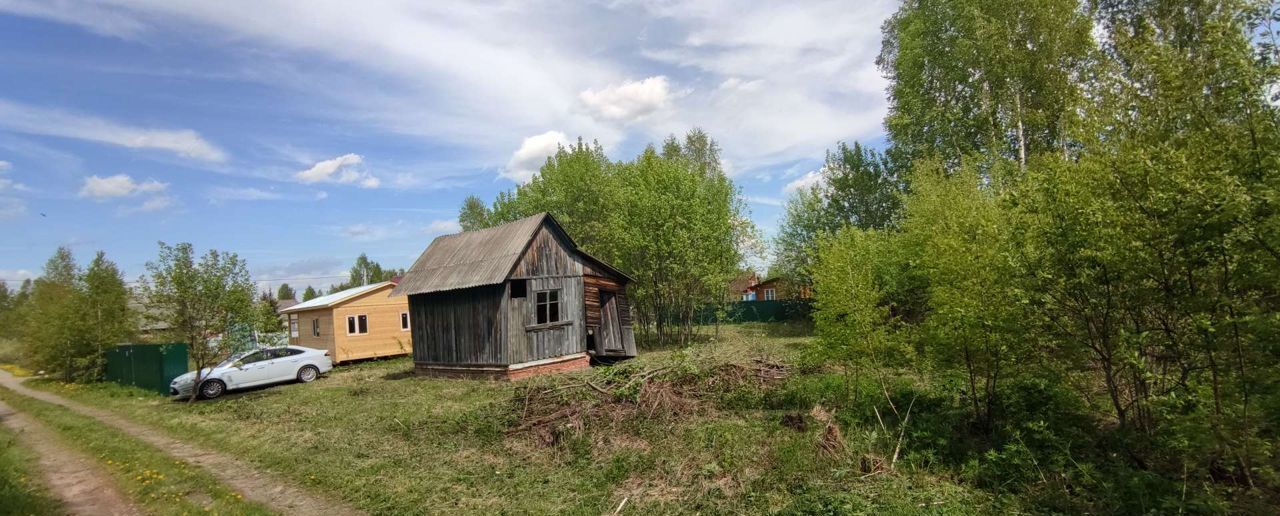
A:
(353, 321)
(770, 294)
(315, 327)
(293, 325)
(404, 321)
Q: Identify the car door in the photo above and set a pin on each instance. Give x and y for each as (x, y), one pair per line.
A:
(284, 364)
(254, 369)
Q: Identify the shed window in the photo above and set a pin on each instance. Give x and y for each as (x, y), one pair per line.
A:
(404, 321)
(357, 324)
(293, 325)
(548, 302)
(770, 294)
(315, 327)
(519, 288)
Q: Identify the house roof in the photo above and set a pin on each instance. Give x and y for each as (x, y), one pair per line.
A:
(478, 258)
(336, 298)
(284, 304)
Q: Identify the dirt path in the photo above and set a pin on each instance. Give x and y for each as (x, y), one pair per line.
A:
(71, 476)
(253, 484)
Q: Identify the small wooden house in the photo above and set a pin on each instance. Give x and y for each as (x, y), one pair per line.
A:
(360, 322)
(776, 289)
(512, 301)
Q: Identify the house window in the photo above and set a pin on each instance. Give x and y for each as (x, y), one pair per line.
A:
(404, 321)
(315, 327)
(770, 294)
(293, 326)
(548, 302)
(357, 324)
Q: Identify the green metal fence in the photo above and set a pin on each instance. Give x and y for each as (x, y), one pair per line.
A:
(149, 366)
(757, 311)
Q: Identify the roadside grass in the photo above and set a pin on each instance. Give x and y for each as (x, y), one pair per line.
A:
(20, 489)
(157, 482)
(391, 442)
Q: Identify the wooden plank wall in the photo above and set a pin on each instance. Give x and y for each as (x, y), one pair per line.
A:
(305, 338)
(548, 255)
(385, 338)
(536, 344)
(459, 327)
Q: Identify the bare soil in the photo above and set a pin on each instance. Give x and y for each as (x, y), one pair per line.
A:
(71, 476)
(252, 483)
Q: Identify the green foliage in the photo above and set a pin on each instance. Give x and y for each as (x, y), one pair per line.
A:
(365, 272)
(671, 220)
(201, 299)
(1086, 261)
(310, 293)
(286, 292)
(71, 316)
(859, 188)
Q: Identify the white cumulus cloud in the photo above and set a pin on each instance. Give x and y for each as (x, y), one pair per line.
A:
(119, 185)
(11, 207)
(343, 169)
(628, 102)
(443, 226)
(810, 178)
(533, 152)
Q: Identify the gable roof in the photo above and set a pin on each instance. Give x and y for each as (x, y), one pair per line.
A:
(336, 298)
(482, 257)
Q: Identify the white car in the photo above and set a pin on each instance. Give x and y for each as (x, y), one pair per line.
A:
(254, 368)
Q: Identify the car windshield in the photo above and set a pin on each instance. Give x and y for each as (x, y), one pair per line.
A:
(233, 358)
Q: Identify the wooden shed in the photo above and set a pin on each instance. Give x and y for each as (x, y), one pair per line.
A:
(360, 322)
(512, 301)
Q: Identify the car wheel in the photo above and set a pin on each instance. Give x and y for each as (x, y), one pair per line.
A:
(308, 373)
(212, 389)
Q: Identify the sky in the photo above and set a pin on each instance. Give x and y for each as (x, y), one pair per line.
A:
(301, 134)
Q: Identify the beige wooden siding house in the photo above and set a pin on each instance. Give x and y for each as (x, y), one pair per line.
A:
(360, 322)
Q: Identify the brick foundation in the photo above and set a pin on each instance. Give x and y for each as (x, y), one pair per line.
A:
(510, 372)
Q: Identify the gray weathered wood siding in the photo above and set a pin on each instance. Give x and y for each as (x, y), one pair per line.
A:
(528, 341)
(459, 327)
(548, 255)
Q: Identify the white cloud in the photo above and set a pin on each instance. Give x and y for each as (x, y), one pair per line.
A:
(532, 154)
(443, 226)
(11, 207)
(157, 203)
(5, 165)
(629, 101)
(810, 179)
(51, 122)
(225, 193)
(119, 185)
(343, 169)
(14, 277)
(365, 232)
(767, 201)
(9, 184)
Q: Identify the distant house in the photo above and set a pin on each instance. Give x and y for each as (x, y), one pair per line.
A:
(514, 300)
(738, 287)
(775, 289)
(360, 322)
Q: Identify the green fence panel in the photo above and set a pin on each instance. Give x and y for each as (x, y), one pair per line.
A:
(757, 311)
(147, 366)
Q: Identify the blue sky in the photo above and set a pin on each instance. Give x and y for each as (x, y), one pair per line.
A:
(300, 134)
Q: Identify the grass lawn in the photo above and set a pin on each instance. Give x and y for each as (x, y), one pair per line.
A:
(20, 489)
(152, 479)
(392, 442)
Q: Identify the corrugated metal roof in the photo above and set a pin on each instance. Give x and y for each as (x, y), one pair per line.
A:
(328, 300)
(470, 259)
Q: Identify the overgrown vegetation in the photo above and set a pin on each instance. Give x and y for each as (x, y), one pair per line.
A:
(670, 218)
(1083, 279)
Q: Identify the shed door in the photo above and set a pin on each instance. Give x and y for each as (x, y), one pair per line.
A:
(610, 338)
